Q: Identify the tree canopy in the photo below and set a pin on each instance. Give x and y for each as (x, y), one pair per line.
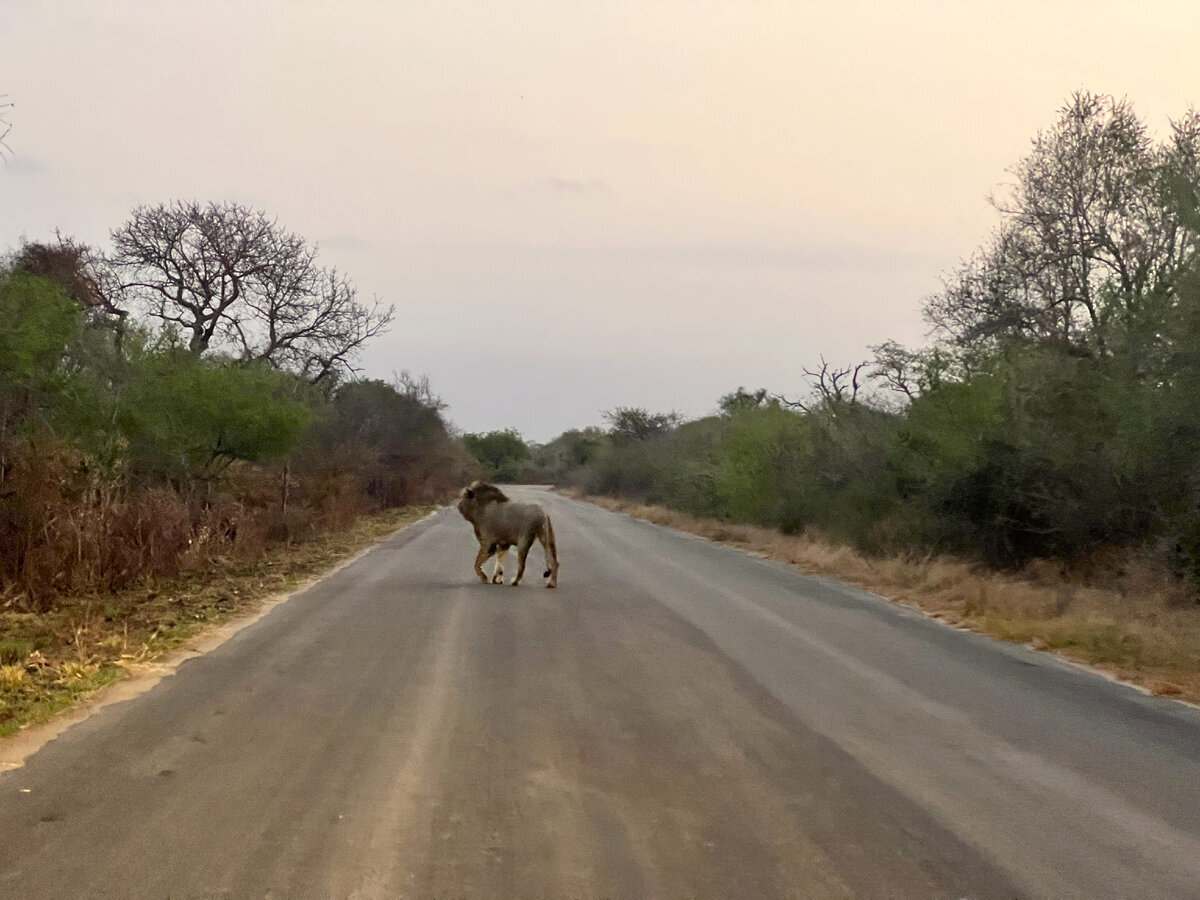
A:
(503, 453)
(232, 280)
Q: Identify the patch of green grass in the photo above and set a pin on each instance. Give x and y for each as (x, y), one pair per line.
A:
(15, 649)
(1107, 643)
(44, 701)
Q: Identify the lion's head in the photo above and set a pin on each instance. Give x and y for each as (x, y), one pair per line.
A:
(476, 496)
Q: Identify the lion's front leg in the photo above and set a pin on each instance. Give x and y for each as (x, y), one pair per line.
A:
(480, 558)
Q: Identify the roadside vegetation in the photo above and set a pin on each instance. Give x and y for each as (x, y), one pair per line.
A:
(181, 428)
(49, 660)
(1035, 470)
(1121, 613)
(504, 455)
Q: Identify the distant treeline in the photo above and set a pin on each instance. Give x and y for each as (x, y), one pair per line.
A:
(190, 394)
(1056, 411)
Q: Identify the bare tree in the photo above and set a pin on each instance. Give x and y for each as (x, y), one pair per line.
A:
(898, 368)
(910, 373)
(233, 280)
(308, 321)
(418, 388)
(831, 388)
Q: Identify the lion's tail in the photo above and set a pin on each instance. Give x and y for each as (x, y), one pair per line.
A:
(550, 548)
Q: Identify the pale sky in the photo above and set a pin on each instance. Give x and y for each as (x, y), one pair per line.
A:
(579, 205)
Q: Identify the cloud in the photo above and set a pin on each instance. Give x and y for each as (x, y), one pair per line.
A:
(802, 255)
(345, 242)
(22, 166)
(573, 186)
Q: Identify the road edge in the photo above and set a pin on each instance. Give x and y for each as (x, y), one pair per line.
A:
(1048, 654)
(14, 751)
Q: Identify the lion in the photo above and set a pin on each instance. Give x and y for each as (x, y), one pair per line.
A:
(500, 523)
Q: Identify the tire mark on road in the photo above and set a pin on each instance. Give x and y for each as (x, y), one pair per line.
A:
(394, 832)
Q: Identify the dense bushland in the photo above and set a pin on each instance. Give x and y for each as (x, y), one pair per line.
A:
(503, 454)
(191, 395)
(1056, 411)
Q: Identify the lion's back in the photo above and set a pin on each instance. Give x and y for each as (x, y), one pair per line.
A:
(510, 521)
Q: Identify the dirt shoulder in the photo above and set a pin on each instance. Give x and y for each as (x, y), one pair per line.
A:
(1130, 621)
(52, 662)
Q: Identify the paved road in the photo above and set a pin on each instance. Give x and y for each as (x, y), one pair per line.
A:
(678, 719)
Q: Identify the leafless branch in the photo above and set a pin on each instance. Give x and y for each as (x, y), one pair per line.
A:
(418, 388)
(234, 280)
(1090, 238)
(5, 127)
(80, 270)
(830, 387)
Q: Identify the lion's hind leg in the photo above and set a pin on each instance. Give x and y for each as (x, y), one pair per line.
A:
(498, 573)
(546, 537)
(522, 552)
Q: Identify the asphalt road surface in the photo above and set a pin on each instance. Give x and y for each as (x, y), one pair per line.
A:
(678, 719)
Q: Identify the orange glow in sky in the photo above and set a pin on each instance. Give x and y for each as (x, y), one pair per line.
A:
(658, 200)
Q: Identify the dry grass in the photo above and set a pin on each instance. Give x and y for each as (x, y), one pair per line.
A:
(50, 660)
(1123, 615)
